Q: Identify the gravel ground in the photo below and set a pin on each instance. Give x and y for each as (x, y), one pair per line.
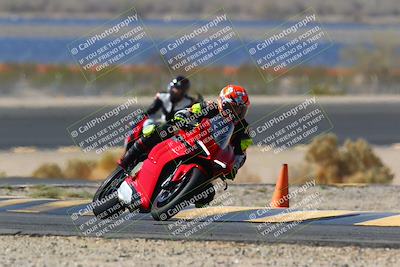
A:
(77, 251)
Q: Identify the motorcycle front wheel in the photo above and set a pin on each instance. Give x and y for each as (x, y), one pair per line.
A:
(105, 201)
(170, 201)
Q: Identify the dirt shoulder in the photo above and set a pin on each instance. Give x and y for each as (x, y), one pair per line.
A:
(77, 251)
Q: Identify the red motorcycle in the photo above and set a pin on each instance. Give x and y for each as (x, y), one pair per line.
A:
(173, 173)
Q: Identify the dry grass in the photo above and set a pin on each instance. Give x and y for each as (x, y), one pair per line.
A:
(354, 162)
(321, 80)
(43, 191)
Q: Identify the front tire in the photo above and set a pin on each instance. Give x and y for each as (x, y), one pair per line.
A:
(106, 201)
(166, 203)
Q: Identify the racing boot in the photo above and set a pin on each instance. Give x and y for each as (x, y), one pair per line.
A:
(144, 144)
(132, 156)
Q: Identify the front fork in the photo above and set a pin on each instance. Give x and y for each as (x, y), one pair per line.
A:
(128, 196)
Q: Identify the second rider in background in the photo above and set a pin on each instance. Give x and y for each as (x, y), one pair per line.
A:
(174, 99)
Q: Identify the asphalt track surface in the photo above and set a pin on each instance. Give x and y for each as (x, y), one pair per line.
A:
(378, 123)
(33, 224)
(53, 217)
(30, 181)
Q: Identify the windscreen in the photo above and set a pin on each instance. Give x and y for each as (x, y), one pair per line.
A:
(222, 130)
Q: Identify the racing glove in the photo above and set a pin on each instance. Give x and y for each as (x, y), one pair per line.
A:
(182, 120)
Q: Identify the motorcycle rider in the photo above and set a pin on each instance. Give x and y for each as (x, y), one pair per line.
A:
(232, 105)
(174, 99)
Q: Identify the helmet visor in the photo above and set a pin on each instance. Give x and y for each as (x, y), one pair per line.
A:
(235, 110)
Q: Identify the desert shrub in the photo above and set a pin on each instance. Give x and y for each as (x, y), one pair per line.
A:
(360, 164)
(104, 166)
(354, 162)
(323, 156)
(80, 169)
(48, 170)
(77, 168)
(108, 161)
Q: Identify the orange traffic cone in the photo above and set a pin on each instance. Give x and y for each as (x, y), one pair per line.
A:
(280, 198)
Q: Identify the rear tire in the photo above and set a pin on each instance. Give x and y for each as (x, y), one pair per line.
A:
(162, 210)
(106, 202)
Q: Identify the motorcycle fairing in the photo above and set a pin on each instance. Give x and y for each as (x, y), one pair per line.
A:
(146, 180)
(174, 149)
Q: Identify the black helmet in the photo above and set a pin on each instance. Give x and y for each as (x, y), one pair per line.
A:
(180, 82)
